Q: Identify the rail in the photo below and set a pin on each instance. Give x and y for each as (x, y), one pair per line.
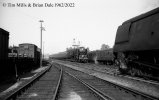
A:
(58, 85)
(14, 94)
(135, 92)
(98, 92)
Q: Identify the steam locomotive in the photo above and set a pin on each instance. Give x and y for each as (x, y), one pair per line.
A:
(78, 54)
(82, 54)
(136, 48)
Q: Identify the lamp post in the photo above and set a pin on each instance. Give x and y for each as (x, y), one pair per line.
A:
(41, 28)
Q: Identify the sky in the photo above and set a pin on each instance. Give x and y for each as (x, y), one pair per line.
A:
(92, 22)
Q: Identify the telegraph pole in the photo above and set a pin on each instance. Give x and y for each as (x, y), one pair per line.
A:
(41, 28)
(43, 49)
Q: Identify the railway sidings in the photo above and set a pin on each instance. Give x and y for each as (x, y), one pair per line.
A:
(61, 82)
(53, 84)
(73, 88)
(146, 87)
(113, 91)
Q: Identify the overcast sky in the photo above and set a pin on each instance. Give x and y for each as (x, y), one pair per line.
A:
(92, 22)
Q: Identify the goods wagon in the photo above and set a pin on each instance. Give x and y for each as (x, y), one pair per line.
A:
(23, 58)
(29, 51)
(92, 56)
(4, 39)
(105, 56)
(101, 56)
(38, 57)
(136, 46)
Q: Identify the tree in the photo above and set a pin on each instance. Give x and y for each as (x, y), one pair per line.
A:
(104, 47)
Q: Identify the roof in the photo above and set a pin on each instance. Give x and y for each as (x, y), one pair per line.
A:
(4, 32)
(26, 44)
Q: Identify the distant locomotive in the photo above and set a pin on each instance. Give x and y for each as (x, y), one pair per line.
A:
(77, 54)
(82, 54)
(136, 46)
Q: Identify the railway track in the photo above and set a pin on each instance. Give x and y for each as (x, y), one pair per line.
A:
(112, 71)
(44, 88)
(41, 87)
(112, 90)
(62, 83)
(54, 85)
(73, 88)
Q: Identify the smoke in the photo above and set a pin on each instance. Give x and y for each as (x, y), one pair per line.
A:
(95, 60)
